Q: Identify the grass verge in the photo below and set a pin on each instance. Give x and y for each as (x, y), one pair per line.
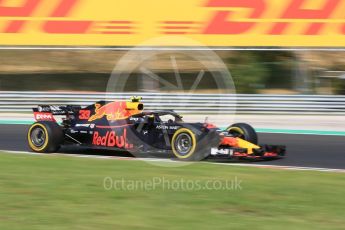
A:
(57, 192)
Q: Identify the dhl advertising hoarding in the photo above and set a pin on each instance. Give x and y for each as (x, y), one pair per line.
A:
(291, 23)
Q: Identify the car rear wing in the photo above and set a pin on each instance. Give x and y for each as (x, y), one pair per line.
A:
(47, 112)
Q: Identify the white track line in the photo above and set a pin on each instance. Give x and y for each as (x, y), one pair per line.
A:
(296, 168)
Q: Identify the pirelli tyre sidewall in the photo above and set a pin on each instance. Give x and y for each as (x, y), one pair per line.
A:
(246, 132)
(199, 147)
(45, 137)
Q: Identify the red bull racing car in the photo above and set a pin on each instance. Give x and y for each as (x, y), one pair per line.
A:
(126, 126)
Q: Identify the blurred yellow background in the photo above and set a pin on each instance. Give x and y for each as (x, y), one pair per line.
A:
(137, 22)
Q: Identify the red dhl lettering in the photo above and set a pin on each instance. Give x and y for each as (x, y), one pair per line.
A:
(295, 11)
(111, 139)
(63, 9)
(27, 9)
(222, 21)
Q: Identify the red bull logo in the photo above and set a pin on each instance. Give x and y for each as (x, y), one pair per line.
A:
(116, 110)
(111, 139)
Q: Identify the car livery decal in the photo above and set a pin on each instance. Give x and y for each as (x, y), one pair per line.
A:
(112, 139)
(116, 110)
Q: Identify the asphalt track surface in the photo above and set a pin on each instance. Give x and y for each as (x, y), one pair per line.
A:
(302, 150)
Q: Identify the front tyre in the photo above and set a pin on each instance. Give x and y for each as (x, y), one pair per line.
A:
(45, 137)
(184, 146)
(243, 131)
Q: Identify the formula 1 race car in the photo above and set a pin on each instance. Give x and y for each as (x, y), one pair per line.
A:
(126, 126)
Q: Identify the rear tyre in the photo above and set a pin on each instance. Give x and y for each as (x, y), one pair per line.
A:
(45, 137)
(243, 131)
(185, 146)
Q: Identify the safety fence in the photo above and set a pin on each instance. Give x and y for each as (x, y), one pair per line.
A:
(11, 101)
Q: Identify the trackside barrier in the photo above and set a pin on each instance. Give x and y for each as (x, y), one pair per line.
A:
(12, 102)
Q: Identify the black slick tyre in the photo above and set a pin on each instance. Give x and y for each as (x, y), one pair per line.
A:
(45, 137)
(185, 147)
(243, 131)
